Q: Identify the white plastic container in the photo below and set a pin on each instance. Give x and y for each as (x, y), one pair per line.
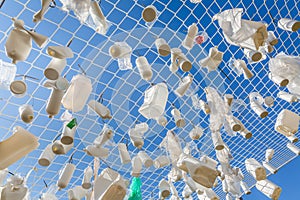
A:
(40, 14)
(136, 138)
(269, 154)
(245, 187)
(253, 55)
(68, 134)
(145, 158)
(289, 24)
(61, 149)
(281, 81)
(94, 151)
(241, 66)
(179, 121)
(18, 88)
(121, 51)
(293, 148)
(3, 175)
(149, 13)
(144, 68)
(47, 156)
(162, 120)
(287, 97)
(164, 188)
(99, 21)
(7, 74)
(217, 140)
(213, 60)
(78, 93)
(196, 133)
(26, 113)
(162, 47)
(175, 52)
(100, 109)
(256, 102)
(188, 42)
(17, 146)
(137, 166)
(65, 175)
(87, 175)
(124, 154)
(161, 161)
(155, 101)
(269, 101)
(233, 123)
(272, 39)
(255, 169)
(184, 63)
(269, 189)
(76, 193)
(60, 52)
(55, 68)
(184, 85)
(269, 167)
(287, 122)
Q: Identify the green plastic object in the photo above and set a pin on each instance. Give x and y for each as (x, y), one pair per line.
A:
(72, 123)
(135, 189)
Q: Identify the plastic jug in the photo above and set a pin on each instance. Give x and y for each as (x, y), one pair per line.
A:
(77, 94)
(65, 175)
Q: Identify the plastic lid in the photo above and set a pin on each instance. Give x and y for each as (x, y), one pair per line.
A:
(18, 87)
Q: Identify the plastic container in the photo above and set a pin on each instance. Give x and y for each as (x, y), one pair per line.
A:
(18, 88)
(7, 74)
(179, 121)
(162, 47)
(188, 42)
(124, 154)
(149, 13)
(289, 24)
(55, 68)
(161, 161)
(17, 146)
(164, 188)
(65, 175)
(47, 156)
(287, 122)
(184, 86)
(77, 193)
(26, 113)
(100, 109)
(60, 149)
(137, 166)
(77, 94)
(255, 169)
(269, 189)
(144, 68)
(146, 160)
(87, 175)
(121, 51)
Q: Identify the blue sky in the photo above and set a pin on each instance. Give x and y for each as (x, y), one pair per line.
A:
(123, 90)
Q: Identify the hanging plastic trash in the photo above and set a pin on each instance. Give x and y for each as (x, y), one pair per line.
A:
(184, 85)
(172, 144)
(240, 32)
(77, 94)
(135, 189)
(124, 154)
(175, 52)
(136, 134)
(137, 166)
(162, 120)
(106, 134)
(189, 39)
(213, 60)
(256, 104)
(17, 146)
(179, 59)
(59, 148)
(164, 189)
(155, 100)
(19, 42)
(87, 176)
(77, 193)
(287, 97)
(100, 109)
(244, 132)
(269, 101)
(285, 70)
(96, 20)
(269, 167)
(161, 161)
(50, 193)
(289, 24)
(224, 156)
(145, 158)
(68, 133)
(149, 14)
(14, 188)
(175, 174)
(186, 192)
(7, 74)
(162, 47)
(245, 188)
(47, 156)
(58, 87)
(26, 113)
(18, 88)
(65, 175)
(144, 68)
(109, 185)
(94, 151)
(240, 67)
(179, 121)
(196, 133)
(287, 123)
(122, 51)
(269, 189)
(209, 194)
(38, 16)
(3, 175)
(293, 148)
(255, 169)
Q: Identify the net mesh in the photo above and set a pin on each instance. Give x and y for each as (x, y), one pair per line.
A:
(122, 91)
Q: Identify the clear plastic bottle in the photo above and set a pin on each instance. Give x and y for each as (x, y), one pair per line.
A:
(7, 74)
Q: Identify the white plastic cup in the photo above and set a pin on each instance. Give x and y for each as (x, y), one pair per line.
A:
(162, 47)
(268, 188)
(217, 140)
(175, 52)
(233, 123)
(184, 85)
(196, 133)
(7, 74)
(245, 188)
(47, 156)
(252, 55)
(162, 120)
(94, 151)
(87, 175)
(287, 122)
(184, 63)
(66, 175)
(161, 161)
(228, 98)
(258, 109)
(278, 80)
(164, 188)
(18, 88)
(270, 167)
(136, 138)
(145, 158)
(26, 113)
(120, 50)
(137, 166)
(149, 13)
(124, 154)
(144, 68)
(293, 148)
(60, 149)
(188, 42)
(272, 39)
(179, 121)
(269, 101)
(76, 193)
(55, 68)
(289, 24)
